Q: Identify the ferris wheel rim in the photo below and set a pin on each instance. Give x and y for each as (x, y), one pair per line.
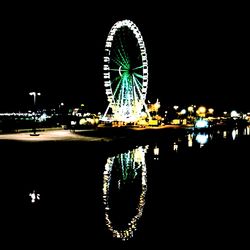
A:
(107, 58)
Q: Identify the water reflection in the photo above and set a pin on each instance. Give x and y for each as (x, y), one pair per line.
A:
(235, 133)
(202, 138)
(124, 179)
(246, 131)
(34, 196)
(156, 152)
(190, 140)
(175, 146)
(225, 134)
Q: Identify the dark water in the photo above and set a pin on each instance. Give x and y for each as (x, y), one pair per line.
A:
(188, 190)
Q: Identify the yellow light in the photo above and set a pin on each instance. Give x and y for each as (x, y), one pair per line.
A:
(202, 109)
(190, 109)
(210, 111)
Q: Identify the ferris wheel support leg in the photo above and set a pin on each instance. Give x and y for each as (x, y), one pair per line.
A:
(106, 111)
(146, 109)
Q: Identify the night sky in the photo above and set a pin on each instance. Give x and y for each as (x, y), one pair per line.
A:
(196, 54)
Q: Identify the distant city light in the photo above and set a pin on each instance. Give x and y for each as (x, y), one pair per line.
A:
(183, 112)
(201, 111)
(190, 109)
(210, 110)
(234, 114)
(201, 124)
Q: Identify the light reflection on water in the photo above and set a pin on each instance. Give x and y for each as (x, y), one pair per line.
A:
(175, 146)
(123, 169)
(34, 196)
(247, 130)
(202, 138)
(235, 133)
(190, 140)
(125, 174)
(131, 164)
(156, 152)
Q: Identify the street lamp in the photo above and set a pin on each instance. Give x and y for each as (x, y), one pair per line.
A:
(34, 94)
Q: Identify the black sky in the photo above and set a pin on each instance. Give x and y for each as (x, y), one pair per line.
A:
(196, 54)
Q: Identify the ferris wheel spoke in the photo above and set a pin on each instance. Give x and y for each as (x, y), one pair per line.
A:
(137, 81)
(122, 70)
(117, 87)
(137, 89)
(137, 84)
(119, 59)
(125, 92)
(115, 83)
(136, 96)
(121, 53)
(140, 67)
(119, 63)
(143, 100)
(126, 57)
(138, 75)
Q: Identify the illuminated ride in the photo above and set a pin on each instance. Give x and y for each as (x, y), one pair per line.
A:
(120, 173)
(125, 73)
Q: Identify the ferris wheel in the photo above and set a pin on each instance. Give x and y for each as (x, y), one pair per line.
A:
(125, 72)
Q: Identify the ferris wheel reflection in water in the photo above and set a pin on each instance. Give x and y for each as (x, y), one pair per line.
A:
(120, 172)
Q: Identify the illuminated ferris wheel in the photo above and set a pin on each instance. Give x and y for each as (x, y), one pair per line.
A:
(125, 72)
